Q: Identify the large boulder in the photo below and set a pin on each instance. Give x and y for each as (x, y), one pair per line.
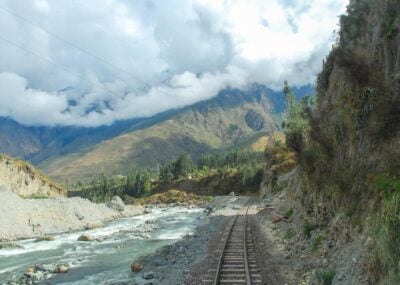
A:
(136, 267)
(85, 238)
(117, 204)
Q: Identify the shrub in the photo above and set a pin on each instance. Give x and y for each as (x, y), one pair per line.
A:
(37, 196)
(289, 213)
(317, 243)
(326, 277)
(388, 233)
(308, 228)
(290, 233)
(296, 122)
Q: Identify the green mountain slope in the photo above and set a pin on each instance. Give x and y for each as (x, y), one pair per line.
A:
(230, 119)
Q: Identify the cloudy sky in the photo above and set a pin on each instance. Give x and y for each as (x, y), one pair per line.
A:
(89, 63)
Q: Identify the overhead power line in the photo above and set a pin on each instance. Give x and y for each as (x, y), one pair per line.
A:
(98, 58)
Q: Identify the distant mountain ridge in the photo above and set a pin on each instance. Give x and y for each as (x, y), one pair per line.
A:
(228, 119)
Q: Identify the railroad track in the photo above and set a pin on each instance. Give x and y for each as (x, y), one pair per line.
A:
(237, 263)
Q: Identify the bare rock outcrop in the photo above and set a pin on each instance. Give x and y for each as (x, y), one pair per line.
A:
(26, 181)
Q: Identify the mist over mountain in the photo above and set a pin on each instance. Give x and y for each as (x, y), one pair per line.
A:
(123, 60)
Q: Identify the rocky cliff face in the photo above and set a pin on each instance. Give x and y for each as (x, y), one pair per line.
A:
(24, 180)
(347, 183)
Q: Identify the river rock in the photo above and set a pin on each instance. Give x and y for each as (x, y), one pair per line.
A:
(62, 268)
(92, 226)
(148, 275)
(29, 271)
(44, 238)
(46, 267)
(37, 276)
(136, 267)
(116, 203)
(85, 238)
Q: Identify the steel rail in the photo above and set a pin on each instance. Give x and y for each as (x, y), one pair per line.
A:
(245, 255)
(221, 258)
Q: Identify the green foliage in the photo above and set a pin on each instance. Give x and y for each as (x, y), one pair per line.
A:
(209, 198)
(102, 188)
(308, 228)
(37, 196)
(296, 123)
(349, 212)
(229, 159)
(326, 277)
(352, 25)
(390, 29)
(177, 169)
(247, 165)
(289, 213)
(388, 233)
(386, 183)
(138, 183)
(317, 243)
(290, 233)
(250, 174)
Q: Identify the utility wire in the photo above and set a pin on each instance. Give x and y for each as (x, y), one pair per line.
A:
(55, 64)
(73, 45)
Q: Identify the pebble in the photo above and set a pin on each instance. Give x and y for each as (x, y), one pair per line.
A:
(148, 275)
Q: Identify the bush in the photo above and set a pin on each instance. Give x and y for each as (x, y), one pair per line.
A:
(290, 233)
(326, 277)
(308, 228)
(388, 234)
(296, 123)
(37, 196)
(317, 243)
(289, 213)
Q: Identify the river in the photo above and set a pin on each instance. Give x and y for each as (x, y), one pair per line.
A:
(108, 258)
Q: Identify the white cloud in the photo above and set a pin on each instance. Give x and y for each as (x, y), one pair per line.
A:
(172, 53)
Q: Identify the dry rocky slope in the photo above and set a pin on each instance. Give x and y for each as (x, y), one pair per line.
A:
(24, 180)
(33, 206)
(335, 218)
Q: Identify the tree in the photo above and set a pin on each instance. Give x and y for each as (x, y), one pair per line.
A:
(296, 124)
(166, 173)
(183, 166)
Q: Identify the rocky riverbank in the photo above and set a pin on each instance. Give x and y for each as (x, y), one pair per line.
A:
(183, 262)
(172, 263)
(35, 218)
(102, 255)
